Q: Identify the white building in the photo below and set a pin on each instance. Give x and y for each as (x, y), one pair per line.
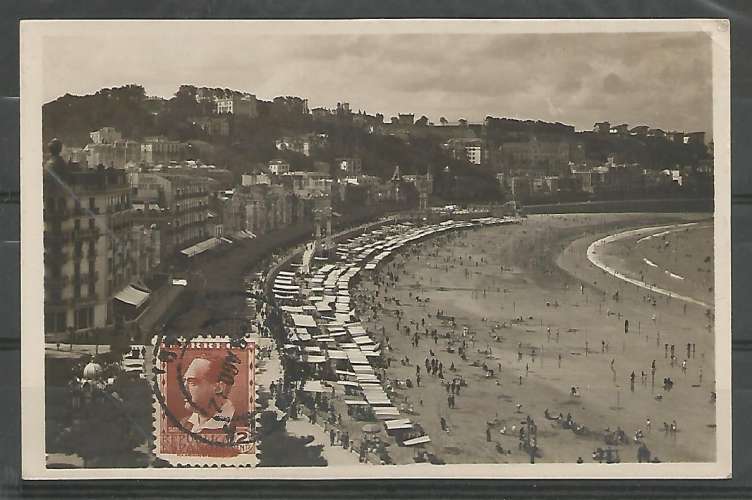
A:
(241, 106)
(255, 179)
(278, 167)
(474, 154)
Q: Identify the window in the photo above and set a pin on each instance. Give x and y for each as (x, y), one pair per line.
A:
(92, 204)
(83, 318)
(77, 225)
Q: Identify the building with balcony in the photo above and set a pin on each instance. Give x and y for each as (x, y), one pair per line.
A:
(88, 246)
(263, 208)
(178, 205)
(163, 150)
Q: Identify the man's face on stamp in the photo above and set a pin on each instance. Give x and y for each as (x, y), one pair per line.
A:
(207, 393)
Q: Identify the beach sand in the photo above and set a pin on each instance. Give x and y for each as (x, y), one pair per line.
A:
(505, 273)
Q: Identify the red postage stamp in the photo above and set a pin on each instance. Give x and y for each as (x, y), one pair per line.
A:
(204, 402)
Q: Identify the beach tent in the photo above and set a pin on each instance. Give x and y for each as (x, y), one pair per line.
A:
(314, 386)
(417, 440)
(301, 320)
(362, 368)
(402, 423)
(314, 359)
(356, 402)
(348, 383)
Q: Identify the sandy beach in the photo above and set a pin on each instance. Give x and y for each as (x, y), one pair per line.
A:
(529, 306)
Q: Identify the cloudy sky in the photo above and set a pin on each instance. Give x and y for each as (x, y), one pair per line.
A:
(662, 80)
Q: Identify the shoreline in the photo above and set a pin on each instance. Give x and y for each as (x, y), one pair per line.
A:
(529, 332)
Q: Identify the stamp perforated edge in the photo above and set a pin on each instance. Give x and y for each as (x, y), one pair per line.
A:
(158, 417)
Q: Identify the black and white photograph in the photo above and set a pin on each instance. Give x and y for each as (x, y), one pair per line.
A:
(376, 249)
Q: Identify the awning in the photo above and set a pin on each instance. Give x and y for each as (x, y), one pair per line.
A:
(292, 309)
(386, 411)
(314, 359)
(200, 247)
(356, 402)
(349, 383)
(417, 440)
(402, 423)
(303, 320)
(314, 386)
(132, 296)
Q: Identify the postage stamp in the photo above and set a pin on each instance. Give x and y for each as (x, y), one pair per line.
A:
(204, 401)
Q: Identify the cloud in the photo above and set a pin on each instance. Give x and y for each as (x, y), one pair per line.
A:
(661, 79)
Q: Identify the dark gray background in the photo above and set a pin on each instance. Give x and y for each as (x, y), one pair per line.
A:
(740, 14)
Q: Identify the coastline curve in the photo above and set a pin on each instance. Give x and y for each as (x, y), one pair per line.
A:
(593, 257)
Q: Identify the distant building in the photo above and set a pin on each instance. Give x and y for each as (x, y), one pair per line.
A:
(105, 135)
(278, 167)
(640, 130)
(159, 149)
(349, 167)
(116, 154)
(179, 204)
(301, 144)
(75, 155)
(307, 184)
(406, 119)
(214, 126)
(245, 105)
(656, 132)
(694, 138)
(255, 179)
(262, 208)
(602, 128)
(467, 149)
(674, 136)
(622, 129)
(547, 155)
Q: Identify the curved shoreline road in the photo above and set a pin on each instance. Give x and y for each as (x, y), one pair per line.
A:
(593, 257)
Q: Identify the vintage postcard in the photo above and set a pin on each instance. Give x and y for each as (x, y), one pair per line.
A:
(376, 249)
